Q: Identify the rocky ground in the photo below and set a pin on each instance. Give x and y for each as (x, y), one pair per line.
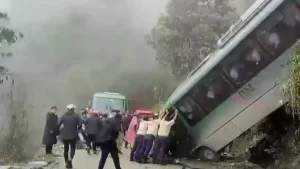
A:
(40, 161)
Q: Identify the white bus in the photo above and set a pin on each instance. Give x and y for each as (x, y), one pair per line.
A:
(238, 84)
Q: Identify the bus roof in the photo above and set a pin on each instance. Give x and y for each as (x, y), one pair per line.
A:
(110, 95)
(255, 8)
(222, 52)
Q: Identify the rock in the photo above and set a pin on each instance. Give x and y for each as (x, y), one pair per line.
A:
(37, 164)
(5, 167)
(14, 167)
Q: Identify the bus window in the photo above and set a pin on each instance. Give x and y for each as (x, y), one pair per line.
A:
(195, 94)
(214, 90)
(279, 31)
(189, 109)
(244, 63)
(296, 12)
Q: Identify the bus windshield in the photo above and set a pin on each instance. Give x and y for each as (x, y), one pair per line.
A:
(104, 104)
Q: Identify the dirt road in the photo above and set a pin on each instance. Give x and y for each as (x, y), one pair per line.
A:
(84, 161)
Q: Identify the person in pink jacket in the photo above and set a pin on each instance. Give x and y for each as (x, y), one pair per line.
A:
(132, 129)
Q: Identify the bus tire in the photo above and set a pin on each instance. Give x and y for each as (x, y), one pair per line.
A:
(207, 154)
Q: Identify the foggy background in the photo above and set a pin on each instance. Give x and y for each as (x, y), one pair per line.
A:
(69, 40)
(74, 48)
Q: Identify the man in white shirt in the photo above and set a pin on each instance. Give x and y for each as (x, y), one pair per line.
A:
(162, 141)
(136, 151)
(150, 135)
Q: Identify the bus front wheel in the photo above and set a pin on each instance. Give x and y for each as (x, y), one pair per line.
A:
(207, 154)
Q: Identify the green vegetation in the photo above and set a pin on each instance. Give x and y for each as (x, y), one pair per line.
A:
(7, 36)
(188, 32)
(291, 86)
(185, 35)
(12, 136)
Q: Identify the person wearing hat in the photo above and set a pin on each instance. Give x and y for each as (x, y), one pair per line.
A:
(72, 123)
(153, 125)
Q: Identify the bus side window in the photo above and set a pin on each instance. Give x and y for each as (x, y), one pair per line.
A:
(296, 12)
(244, 62)
(214, 90)
(191, 112)
(280, 30)
(195, 94)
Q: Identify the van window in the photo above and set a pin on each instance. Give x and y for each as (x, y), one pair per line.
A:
(190, 110)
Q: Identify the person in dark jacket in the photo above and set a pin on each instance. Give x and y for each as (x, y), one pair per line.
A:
(84, 115)
(125, 124)
(91, 129)
(120, 135)
(72, 123)
(106, 139)
(50, 131)
(103, 116)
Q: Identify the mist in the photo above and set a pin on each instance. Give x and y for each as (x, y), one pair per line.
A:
(66, 36)
(72, 49)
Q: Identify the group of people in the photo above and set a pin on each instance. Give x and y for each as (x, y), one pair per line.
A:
(100, 132)
(71, 123)
(152, 133)
(108, 131)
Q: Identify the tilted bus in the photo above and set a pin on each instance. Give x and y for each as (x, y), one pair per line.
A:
(106, 101)
(239, 83)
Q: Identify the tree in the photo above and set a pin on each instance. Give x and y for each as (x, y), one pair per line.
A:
(12, 141)
(7, 36)
(188, 32)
